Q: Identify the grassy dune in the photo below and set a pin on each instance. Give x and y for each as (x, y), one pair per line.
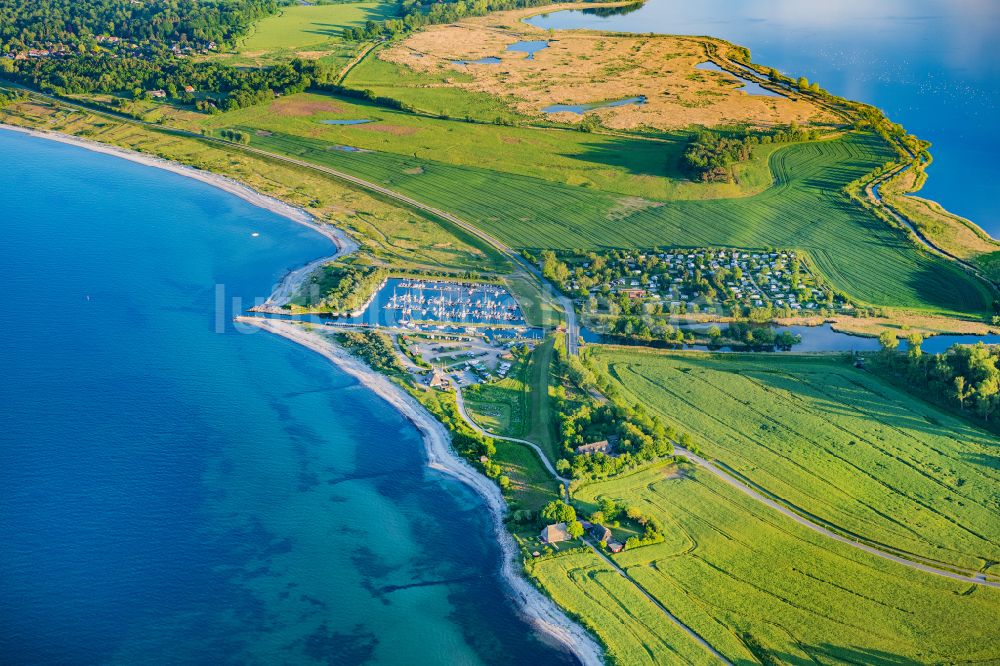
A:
(805, 209)
(748, 580)
(835, 443)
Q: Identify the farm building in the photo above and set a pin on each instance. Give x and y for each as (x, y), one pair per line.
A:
(603, 446)
(554, 533)
(601, 533)
(615, 547)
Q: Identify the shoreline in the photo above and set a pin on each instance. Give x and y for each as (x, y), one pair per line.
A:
(286, 288)
(539, 610)
(551, 623)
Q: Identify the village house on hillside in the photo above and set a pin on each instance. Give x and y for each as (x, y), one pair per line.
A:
(554, 533)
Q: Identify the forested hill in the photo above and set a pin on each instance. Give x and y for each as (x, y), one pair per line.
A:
(26, 24)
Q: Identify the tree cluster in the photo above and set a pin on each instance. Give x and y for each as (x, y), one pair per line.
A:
(44, 23)
(639, 438)
(222, 88)
(966, 377)
(710, 155)
(611, 513)
(416, 14)
(374, 348)
(340, 287)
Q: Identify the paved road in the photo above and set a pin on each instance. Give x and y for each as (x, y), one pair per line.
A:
(976, 579)
(460, 401)
(683, 627)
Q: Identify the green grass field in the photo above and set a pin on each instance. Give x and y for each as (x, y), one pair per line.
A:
(299, 27)
(502, 406)
(805, 210)
(542, 424)
(832, 442)
(427, 92)
(630, 166)
(307, 31)
(631, 627)
(757, 586)
(531, 483)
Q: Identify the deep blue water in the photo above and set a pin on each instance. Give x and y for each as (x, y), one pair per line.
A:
(170, 494)
(931, 64)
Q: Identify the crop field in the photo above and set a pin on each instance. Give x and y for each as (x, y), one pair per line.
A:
(625, 165)
(634, 630)
(835, 444)
(749, 580)
(806, 210)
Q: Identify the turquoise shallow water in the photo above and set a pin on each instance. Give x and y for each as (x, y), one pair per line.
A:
(169, 494)
(931, 64)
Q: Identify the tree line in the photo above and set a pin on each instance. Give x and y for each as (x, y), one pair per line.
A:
(415, 14)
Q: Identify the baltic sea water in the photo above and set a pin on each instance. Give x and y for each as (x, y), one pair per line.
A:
(170, 494)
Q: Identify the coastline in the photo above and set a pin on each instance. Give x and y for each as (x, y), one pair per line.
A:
(285, 289)
(539, 610)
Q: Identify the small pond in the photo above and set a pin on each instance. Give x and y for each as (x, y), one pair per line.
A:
(583, 108)
(529, 47)
(353, 121)
(491, 60)
(749, 87)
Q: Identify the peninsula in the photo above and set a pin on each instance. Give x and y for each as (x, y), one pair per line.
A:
(580, 264)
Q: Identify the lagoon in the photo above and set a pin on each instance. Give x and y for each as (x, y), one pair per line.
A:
(177, 493)
(749, 87)
(931, 64)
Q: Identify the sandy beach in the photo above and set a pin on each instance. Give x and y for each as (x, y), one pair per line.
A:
(538, 609)
(289, 285)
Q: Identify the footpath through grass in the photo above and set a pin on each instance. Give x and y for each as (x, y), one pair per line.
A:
(834, 443)
(631, 627)
(762, 589)
(806, 209)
